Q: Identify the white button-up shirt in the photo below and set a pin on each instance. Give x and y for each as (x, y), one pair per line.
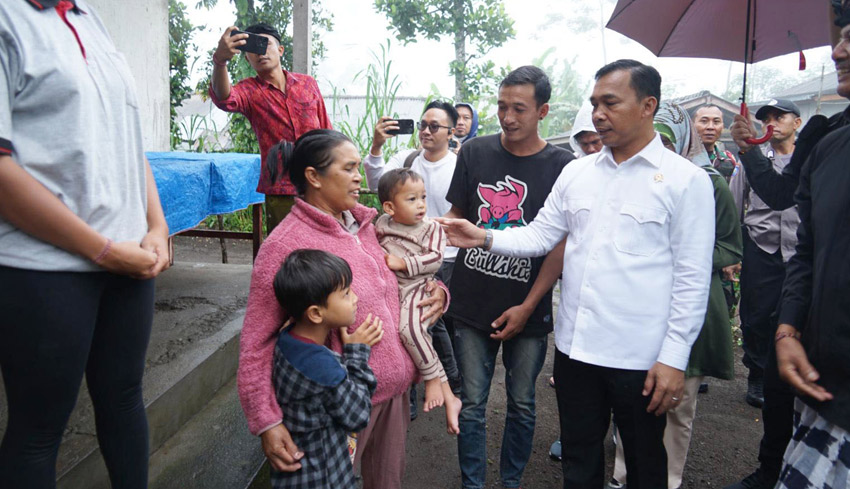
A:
(637, 263)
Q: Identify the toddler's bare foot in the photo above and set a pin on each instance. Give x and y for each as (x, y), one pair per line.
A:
(433, 394)
(453, 406)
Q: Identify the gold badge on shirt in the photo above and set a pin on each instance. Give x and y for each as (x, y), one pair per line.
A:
(659, 177)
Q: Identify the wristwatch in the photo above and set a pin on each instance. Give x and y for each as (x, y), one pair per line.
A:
(488, 239)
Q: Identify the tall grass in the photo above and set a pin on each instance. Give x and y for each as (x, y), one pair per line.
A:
(382, 87)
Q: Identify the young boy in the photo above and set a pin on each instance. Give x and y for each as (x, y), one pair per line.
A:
(414, 246)
(325, 396)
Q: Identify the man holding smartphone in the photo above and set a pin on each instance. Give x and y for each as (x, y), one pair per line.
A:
(280, 105)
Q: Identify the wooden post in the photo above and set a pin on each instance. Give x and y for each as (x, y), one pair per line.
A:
(257, 227)
(302, 36)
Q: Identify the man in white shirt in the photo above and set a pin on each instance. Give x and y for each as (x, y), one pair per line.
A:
(639, 223)
(436, 164)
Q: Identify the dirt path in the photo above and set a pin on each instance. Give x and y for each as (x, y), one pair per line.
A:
(724, 447)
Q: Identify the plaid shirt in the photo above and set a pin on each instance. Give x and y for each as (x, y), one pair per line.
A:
(325, 397)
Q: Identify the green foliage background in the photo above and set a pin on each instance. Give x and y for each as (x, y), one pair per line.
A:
(484, 24)
(180, 32)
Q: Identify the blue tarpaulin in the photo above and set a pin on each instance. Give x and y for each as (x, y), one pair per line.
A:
(193, 186)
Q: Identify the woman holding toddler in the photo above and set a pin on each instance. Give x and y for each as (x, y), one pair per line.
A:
(324, 165)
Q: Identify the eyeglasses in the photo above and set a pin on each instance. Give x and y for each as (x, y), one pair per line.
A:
(433, 126)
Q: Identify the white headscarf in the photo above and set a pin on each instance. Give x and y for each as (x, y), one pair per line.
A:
(583, 122)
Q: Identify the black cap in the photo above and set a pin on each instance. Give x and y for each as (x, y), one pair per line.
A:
(780, 104)
(264, 29)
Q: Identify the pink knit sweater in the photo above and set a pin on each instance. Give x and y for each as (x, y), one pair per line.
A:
(374, 284)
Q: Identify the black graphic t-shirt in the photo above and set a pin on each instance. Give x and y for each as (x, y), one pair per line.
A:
(497, 190)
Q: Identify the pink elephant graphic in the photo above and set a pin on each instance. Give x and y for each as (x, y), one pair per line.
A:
(502, 204)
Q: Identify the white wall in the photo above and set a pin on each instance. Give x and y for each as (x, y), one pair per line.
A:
(140, 31)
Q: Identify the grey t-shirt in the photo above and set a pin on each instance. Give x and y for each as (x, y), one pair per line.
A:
(72, 123)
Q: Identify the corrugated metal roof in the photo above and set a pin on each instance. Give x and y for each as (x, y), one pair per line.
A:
(809, 89)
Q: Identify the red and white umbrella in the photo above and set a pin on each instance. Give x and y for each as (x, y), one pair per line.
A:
(748, 31)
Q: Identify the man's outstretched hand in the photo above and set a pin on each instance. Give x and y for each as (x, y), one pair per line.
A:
(462, 233)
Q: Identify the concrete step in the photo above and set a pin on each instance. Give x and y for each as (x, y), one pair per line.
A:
(262, 478)
(193, 352)
(213, 450)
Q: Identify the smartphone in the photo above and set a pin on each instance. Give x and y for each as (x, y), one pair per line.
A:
(405, 126)
(255, 43)
(453, 143)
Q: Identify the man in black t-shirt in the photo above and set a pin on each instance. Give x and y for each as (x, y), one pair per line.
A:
(502, 181)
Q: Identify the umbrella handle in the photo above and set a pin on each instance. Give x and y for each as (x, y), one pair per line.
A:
(745, 111)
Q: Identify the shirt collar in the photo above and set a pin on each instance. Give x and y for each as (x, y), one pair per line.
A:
(289, 80)
(651, 153)
(349, 222)
(46, 4)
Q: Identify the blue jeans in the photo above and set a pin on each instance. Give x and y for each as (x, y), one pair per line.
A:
(476, 356)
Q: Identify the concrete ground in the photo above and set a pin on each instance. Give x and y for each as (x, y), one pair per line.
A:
(723, 450)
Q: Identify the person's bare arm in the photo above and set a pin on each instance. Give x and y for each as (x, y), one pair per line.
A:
(794, 366)
(225, 52)
(31, 207)
(156, 239)
(514, 319)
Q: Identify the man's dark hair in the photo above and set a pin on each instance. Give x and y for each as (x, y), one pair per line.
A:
(307, 278)
(645, 80)
(707, 106)
(314, 148)
(448, 108)
(390, 182)
(261, 28)
(530, 75)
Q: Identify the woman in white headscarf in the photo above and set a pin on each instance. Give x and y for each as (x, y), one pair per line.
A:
(711, 354)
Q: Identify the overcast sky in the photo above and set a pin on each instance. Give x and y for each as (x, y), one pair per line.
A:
(358, 30)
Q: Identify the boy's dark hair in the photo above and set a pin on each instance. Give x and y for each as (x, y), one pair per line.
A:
(389, 184)
(314, 148)
(645, 80)
(307, 278)
(261, 28)
(446, 107)
(530, 75)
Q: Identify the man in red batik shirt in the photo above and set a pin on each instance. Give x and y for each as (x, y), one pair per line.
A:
(280, 105)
